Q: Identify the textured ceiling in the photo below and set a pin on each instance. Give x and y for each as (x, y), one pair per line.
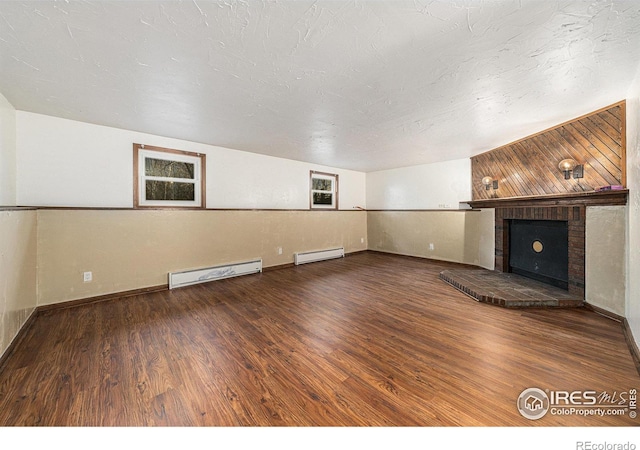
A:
(363, 85)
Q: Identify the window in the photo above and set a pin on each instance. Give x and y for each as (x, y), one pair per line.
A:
(324, 190)
(167, 178)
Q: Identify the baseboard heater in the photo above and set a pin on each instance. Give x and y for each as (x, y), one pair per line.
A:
(320, 255)
(189, 277)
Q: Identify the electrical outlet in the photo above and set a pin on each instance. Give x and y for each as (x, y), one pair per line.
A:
(87, 276)
(279, 250)
(362, 240)
(431, 247)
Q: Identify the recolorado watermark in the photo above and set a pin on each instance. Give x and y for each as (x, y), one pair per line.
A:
(534, 403)
(588, 445)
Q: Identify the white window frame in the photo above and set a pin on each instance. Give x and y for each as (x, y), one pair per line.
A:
(142, 152)
(334, 191)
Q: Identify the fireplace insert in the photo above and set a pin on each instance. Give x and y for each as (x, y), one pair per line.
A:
(539, 249)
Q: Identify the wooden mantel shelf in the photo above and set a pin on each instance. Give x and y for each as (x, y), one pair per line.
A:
(590, 198)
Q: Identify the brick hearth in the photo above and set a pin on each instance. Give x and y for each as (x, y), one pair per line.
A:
(509, 290)
(500, 287)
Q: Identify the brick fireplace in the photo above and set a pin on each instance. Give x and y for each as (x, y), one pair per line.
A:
(575, 217)
(571, 208)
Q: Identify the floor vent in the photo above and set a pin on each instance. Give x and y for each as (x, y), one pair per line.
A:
(320, 255)
(189, 277)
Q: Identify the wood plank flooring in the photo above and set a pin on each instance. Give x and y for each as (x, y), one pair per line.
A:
(367, 340)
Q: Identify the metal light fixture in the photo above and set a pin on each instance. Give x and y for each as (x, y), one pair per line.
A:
(489, 183)
(571, 167)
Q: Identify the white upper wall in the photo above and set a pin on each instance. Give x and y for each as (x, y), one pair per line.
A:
(427, 186)
(7, 153)
(62, 162)
(633, 209)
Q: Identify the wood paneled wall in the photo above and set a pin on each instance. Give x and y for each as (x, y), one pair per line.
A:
(529, 167)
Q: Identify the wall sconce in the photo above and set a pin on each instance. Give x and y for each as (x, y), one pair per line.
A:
(569, 167)
(489, 183)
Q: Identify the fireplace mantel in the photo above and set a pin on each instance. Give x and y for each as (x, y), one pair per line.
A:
(590, 198)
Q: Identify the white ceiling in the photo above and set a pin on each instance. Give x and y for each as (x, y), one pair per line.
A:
(362, 85)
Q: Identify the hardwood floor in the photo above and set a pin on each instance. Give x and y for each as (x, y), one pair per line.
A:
(368, 340)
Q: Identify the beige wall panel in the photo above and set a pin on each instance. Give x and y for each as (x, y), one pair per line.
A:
(130, 249)
(18, 269)
(456, 236)
(605, 257)
(481, 236)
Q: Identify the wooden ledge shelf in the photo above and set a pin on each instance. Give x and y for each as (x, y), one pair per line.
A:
(590, 198)
(17, 208)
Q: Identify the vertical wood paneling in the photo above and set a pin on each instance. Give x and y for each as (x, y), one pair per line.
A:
(529, 167)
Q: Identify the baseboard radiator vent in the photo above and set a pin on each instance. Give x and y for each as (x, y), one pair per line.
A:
(189, 277)
(320, 255)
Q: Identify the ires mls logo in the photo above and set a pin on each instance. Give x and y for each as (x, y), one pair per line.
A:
(534, 403)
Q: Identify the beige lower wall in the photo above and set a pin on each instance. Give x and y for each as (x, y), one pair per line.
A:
(18, 272)
(133, 249)
(459, 236)
(605, 253)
